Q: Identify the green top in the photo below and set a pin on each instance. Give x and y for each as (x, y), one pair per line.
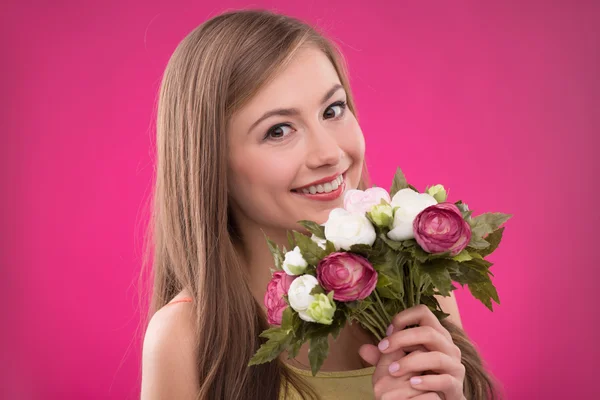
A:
(348, 385)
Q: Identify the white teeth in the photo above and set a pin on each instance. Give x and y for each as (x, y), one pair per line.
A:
(325, 187)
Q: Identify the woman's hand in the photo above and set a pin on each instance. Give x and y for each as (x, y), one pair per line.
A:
(431, 349)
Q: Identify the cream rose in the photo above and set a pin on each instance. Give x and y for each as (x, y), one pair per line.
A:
(299, 295)
(410, 204)
(294, 263)
(345, 229)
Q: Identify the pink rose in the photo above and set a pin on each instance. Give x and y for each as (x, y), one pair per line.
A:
(350, 276)
(440, 228)
(274, 301)
(358, 201)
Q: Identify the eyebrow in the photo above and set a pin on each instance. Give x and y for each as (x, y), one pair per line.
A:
(293, 111)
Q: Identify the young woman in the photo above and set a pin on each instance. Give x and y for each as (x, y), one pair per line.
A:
(253, 108)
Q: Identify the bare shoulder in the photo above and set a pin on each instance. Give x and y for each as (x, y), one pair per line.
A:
(450, 306)
(169, 355)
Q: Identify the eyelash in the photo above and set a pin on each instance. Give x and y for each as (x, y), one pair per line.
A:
(341, 104)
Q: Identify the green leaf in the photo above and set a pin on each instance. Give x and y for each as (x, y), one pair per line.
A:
(287, 318)
(279, 340)
(329, 248)
(485, 292)
(444, 254)
(391, 243)
(291, 240)
(478, 243)
(389, 267)
(464, 210)
(336, 332)
(463, 256)
(317, 290)
(487, 223)
(294, 347)
(313, 228)
(439, 274)
(398, 183)
(432, 302)
(420, 254)
(276, 333)
(317, 353)
(311, 251)
(383, 281)
(493, 239)
(410, 243)
(278, 255)
(473, 271)
(362, 249)
(461, 206)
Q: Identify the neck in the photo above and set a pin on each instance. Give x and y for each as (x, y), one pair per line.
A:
(257, 259)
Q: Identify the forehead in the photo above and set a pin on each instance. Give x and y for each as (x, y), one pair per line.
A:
(301, 84)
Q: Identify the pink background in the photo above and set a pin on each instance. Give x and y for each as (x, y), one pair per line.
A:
(499, 102)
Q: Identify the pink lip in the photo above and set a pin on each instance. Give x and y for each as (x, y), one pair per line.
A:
(325, 196)
(324, 180)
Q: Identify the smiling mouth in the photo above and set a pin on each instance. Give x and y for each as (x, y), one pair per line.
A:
(322, 188)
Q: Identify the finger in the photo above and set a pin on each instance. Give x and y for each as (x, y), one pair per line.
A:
(433, 361)
(424, 335)
(446, 384)
(391, 388)
(427, 396)
(369, 353)
(418, 347)
(418, 315)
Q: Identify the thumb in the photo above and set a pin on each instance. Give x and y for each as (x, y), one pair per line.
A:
(369, 353)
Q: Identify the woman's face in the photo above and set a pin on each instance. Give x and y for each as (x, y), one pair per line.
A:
(294, 149)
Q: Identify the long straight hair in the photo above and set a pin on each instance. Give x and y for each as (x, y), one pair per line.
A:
(213, 72)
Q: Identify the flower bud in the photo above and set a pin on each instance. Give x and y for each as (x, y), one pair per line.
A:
(438, 192)
(321, 310)
(382, 215)
(294, 263)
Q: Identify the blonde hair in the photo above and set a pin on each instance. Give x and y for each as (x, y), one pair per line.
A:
(191, 237)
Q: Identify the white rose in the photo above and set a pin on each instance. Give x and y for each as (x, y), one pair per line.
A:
(345, 229)
(294, 263)
(321, 242)
(411, 203)
(299, 295)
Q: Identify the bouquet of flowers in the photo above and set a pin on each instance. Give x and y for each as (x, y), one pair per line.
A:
(380, 254)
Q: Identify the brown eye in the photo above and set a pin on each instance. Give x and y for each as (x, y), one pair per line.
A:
(329, 114)
(276, 132)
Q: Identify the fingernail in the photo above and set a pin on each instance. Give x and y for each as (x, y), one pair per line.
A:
(390, 330)
(394, 367)
(415, 380)
(384, 344)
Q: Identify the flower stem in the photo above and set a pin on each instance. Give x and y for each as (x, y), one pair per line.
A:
(387, 316)
(378, 316)
(374, 323)
(418, 300)
(409, 290)
(370, 328)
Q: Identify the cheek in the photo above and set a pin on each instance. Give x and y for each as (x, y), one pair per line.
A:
(259, 177)
(351, 139)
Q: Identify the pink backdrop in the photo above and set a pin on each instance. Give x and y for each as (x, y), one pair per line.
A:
(499, 102)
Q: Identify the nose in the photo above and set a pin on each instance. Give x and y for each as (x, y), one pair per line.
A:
(323, 148)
